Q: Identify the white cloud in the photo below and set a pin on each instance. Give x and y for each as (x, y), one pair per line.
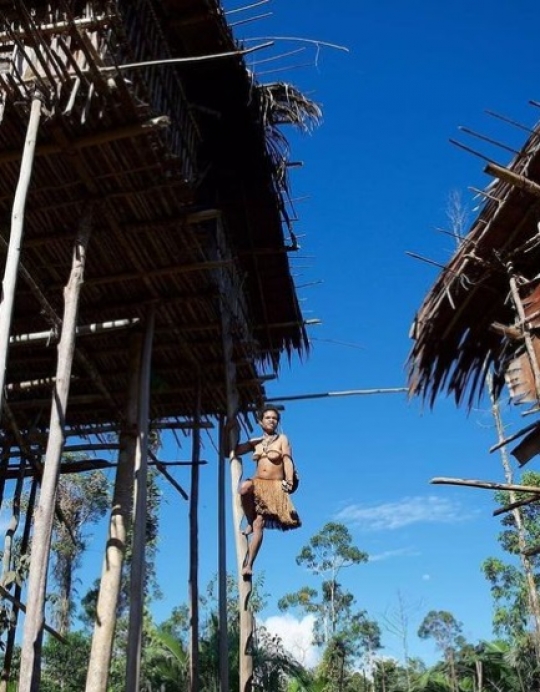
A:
(388, 554)
(426, 577)
(296, 635)
(409, 510)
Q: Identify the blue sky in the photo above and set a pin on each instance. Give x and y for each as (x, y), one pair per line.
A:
(375, 184)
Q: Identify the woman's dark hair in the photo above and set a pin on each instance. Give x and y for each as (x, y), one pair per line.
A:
(268, 407)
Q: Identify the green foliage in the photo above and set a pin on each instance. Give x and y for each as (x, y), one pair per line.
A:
(166, 661)
(511, 582)
(83, 499)
(65, 665)
(441, 626)
(345, 633)
(330, 550)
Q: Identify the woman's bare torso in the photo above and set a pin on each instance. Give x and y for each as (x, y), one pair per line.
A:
(268, 454)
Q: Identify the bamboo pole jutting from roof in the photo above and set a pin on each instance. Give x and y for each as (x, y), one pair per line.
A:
(140, 493)
(119, 523)
(508, 176)
(486, 484)
(11, 270)
(29, 680)
(350, 392)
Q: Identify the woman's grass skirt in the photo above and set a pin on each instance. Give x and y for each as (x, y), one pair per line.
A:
(275, 505)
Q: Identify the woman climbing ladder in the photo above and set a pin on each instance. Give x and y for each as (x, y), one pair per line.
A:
(266, 497)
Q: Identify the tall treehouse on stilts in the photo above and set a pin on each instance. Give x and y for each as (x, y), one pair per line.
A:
(146, 237)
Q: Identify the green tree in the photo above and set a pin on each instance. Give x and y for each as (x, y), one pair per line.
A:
(345, 632)
(65, 664)
(514, 581)
(446, 631)
(327, 554)
(83, 499)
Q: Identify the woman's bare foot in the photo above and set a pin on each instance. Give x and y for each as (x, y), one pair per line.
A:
(247, 530)
(247, 571)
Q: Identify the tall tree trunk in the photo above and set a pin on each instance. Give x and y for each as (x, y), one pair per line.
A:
(37, 580)
(119, 523)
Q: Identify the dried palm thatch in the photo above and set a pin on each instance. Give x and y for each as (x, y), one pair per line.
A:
(468, 323)
(283, 104)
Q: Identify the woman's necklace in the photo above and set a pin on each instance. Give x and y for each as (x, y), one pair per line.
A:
(268, 440)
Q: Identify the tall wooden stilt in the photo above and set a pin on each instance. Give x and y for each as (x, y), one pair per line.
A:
(222, 565)
(15, 241)
(122, 502)
(232, 315)
(244, 585)
(44, 514)
(136, 591)
(194, 550)
(25, 540)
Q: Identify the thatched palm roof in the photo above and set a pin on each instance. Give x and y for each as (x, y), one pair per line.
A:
(187, 195)
(460, 331)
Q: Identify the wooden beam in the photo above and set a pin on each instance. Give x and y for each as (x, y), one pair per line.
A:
(515, 505)
(51, 335)
(515, 179)
(91, 140)
(89, 24)
(6, 594)
(486, 484)
(156, 273)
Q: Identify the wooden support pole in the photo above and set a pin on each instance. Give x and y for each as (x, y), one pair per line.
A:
(244, 584)
(29, 680)
(194, 659)
(137, 574)
(231, 310)
(17, 605)
(223, 641)
(11, 270)
(487, 484)
(516, 298)
(119, 523)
